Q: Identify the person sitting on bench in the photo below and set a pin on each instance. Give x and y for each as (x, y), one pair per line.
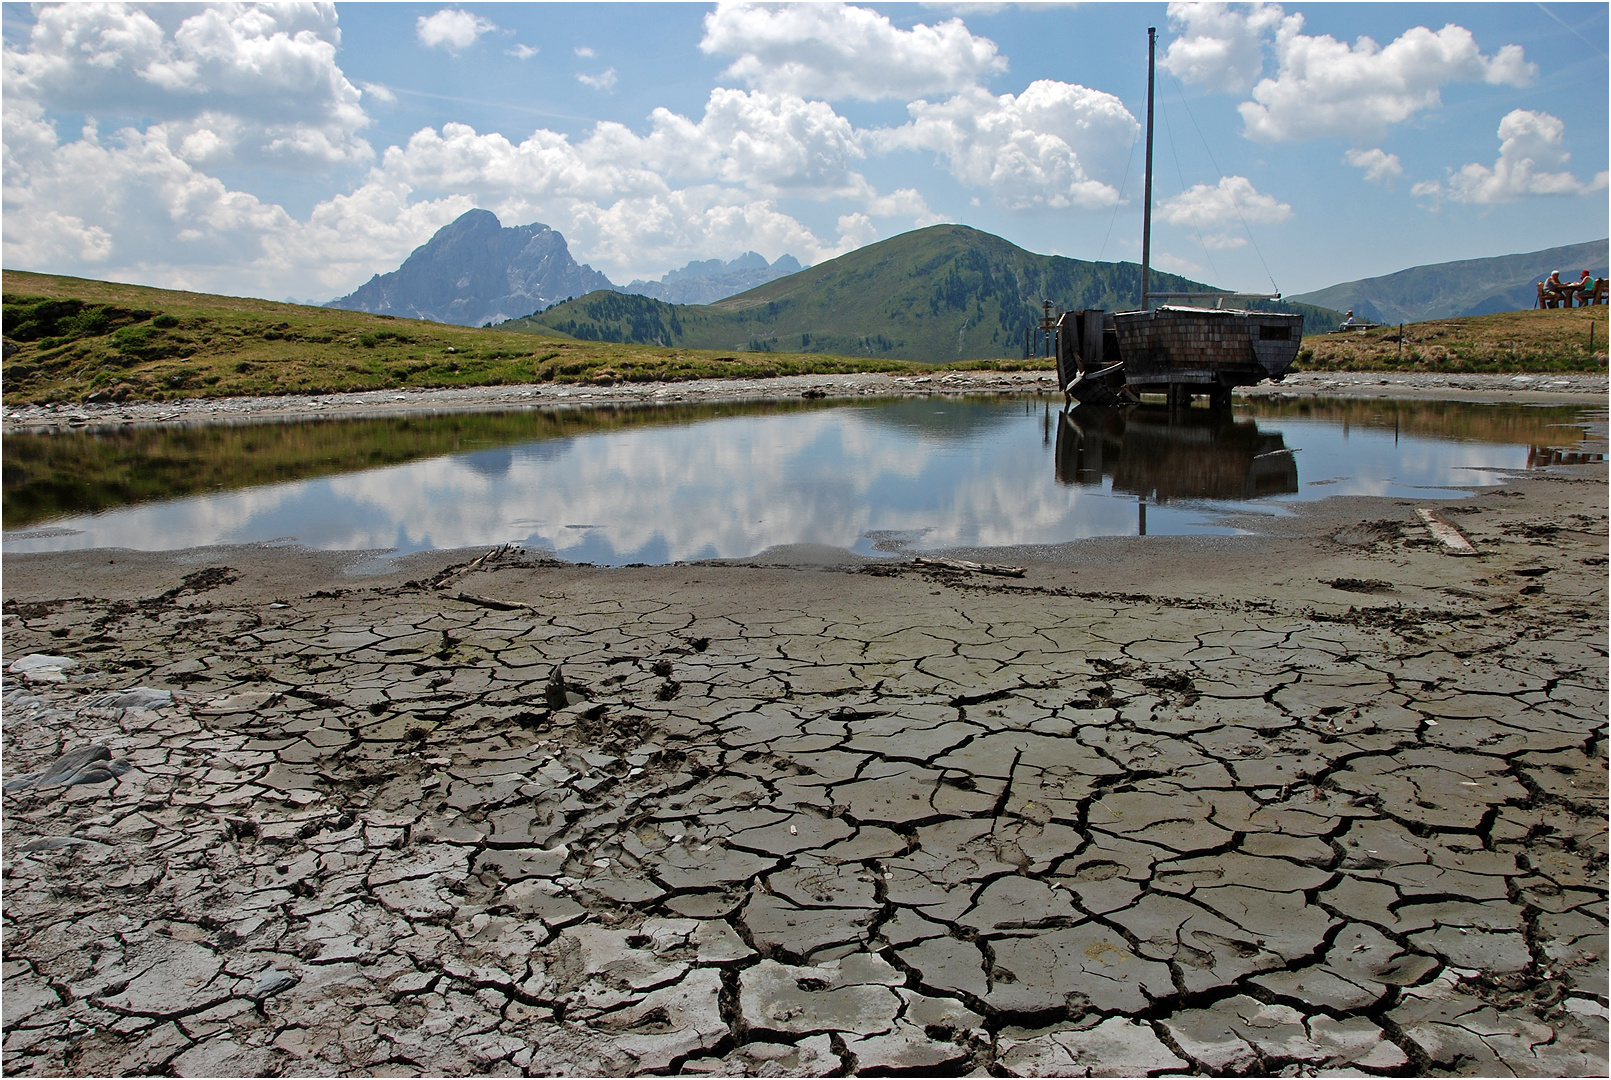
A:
(1584, 290)
(1555, 288)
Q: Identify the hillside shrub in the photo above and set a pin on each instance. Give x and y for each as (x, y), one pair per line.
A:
(63, 321)
(137, 343)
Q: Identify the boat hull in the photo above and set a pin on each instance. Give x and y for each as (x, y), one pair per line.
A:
(1177, 350)
(1171, 346)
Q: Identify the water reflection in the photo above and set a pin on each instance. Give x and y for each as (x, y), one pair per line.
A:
(659, 485)
(51, 475)
(1162, 454)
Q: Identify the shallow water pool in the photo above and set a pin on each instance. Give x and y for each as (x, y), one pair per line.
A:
(663, 485)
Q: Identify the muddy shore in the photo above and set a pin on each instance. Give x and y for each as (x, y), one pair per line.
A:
(1322, 800)
(1531, 389)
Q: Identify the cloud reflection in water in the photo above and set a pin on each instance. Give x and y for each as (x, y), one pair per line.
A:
(954, 473)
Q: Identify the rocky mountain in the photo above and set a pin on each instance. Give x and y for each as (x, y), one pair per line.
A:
(1467, 287)
(474, 271)
(939, 294)
(705, 282)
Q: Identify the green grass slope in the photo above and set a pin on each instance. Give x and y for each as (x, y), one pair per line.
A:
(935, 295)
(1564, 340)
(75, 339)
(1468, 287)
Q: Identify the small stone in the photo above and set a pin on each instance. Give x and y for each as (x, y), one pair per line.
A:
(42, 667)
(86, 765)
(270, 982)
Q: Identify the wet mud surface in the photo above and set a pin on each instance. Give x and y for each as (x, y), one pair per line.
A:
(1126, 815)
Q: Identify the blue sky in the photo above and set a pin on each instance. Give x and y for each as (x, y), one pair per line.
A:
(295, 150)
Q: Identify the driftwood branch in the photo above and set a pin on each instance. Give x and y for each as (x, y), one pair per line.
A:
(973, 567)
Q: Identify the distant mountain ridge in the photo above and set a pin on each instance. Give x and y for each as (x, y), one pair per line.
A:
(1467, 287)
(475, 271)
(944, 293)
(710, 280)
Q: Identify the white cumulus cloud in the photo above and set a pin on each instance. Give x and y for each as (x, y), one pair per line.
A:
(379, 92)
(1380, 166)
(768, 142)
(452, 29)
(1048, 146)
(836, 51)
(128, 206)
(632, 203)
(1327, 87)
(1219, 47)
(244, 84)
(1532, 161)
(1233, 200)
(605, 81)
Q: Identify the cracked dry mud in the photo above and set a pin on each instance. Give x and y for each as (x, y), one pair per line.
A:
(1115, 818)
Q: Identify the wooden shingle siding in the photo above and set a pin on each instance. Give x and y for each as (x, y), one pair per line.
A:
(1196, 346)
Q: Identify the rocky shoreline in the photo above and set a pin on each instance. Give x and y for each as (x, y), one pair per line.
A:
(1541, 389)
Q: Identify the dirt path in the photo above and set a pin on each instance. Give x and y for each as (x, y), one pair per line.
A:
(1332, 799)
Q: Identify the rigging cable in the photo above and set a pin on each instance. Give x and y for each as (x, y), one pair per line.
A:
(1182, 92)
(1170, 131)
(1129, 161)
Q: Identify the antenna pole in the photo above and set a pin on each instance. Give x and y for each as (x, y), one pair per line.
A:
(1146, 207)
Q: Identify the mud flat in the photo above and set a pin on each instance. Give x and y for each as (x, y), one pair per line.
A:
(1324, 801)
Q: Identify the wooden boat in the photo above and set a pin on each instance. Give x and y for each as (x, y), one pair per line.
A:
(1107, 359)
(1110, 358)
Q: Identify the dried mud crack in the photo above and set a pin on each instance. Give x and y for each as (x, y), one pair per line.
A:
(511, 816)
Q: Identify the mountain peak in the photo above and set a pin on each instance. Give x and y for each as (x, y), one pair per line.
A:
(475, 271)
(471, 221)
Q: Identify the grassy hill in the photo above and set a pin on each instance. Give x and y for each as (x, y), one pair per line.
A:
(1517, 341)
(74, 339)
(1469, 287)
(935, 295)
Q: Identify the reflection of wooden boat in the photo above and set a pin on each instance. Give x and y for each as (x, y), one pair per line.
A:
(1162, 454)
(1108, 358)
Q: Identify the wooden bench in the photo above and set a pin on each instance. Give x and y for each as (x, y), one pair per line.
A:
(1596, 295)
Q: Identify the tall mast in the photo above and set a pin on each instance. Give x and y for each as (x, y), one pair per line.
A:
(1146, 208)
